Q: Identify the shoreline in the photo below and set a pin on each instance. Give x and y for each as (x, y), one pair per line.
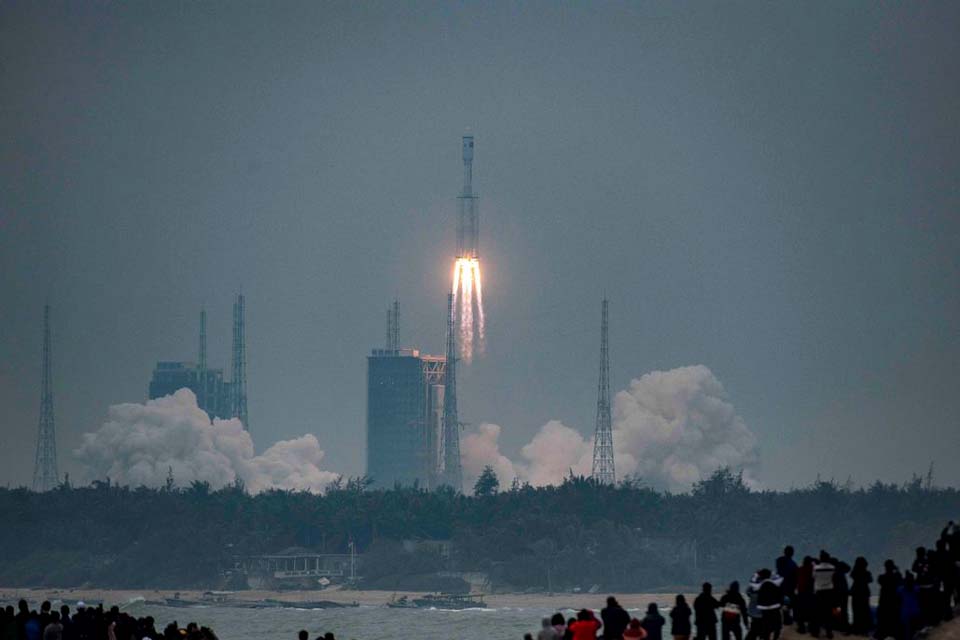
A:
(110, 597)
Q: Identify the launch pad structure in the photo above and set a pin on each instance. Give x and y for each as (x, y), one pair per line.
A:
(411, 437)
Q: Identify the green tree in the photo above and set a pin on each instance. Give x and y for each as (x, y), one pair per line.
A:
(487, 484)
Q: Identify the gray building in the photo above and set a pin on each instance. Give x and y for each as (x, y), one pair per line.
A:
(218, 397)
(404, 417)
(213, 393)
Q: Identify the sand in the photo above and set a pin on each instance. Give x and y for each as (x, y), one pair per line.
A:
(334, 594)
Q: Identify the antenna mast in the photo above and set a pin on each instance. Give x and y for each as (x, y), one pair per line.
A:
(45, 474)
(393, 326)
(603, 469)
(395, 333)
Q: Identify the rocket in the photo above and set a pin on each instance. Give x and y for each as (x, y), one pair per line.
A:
(468, 223)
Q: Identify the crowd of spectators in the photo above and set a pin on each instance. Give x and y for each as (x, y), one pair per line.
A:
(89, 623)
(819, 596)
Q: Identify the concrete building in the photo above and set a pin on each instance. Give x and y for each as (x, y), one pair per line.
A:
(405, 392)
(214, 395)
(218, 397)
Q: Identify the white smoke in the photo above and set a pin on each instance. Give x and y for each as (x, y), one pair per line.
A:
(673, 428)
(481, 448)
(140, 444)
(670, 429)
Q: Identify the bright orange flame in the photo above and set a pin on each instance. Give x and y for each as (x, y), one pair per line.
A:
(467, 294)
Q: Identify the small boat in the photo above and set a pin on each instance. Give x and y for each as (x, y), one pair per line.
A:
(401, 603)
(451, 601)
(180, 602)
(177, 601)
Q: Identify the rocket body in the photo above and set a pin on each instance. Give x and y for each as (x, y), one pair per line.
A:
(468, 222)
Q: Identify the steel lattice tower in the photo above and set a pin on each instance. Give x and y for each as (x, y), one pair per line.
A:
(45, 474)
(239, 363)
(603, 469)
(202, 364)
(452, 472)
(203, 339)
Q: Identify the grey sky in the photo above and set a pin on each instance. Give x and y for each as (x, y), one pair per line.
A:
(769, 189)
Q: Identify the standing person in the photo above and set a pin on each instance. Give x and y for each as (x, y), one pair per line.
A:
(919, 561)
(888, 607)
(733, 611)
(755, 617)
(585, 627)
(32, 629)
(823, 595)
(615, 620)
(680, 619)
(653, 622)
(946, 571)
(53, 630)
(634, 631)
(841, 591)
(66, 622)
(705, 613)
(558, 625)
(860, 597)
(787, 569)
(803, 608)
(909, 607)
(928, 591)
(547, 631)
(770, 602)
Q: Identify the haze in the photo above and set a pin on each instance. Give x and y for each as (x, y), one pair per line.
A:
(767, 189)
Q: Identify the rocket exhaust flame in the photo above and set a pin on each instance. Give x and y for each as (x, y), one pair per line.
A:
(468, 304)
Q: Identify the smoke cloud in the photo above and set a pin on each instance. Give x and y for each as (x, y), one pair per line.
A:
(670, 429)
(481, 448)
(140, 444)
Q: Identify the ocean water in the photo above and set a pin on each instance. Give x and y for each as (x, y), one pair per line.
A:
(356, 623)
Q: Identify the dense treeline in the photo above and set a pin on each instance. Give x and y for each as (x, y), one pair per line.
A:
(623, 538)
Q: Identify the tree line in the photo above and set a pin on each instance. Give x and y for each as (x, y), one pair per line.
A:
(627, 537)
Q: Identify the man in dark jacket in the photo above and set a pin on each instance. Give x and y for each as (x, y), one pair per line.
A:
(705, 613)
(733, 611)
(787, 569)
(769, 602)
(615, 619)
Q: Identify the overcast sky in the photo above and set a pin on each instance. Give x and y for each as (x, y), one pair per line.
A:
(768, 189)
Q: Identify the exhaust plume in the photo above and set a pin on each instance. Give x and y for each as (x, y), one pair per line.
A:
(468, 306)
(140, 444)
(670, 429)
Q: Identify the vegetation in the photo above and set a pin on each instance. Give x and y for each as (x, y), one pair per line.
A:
(623, 538)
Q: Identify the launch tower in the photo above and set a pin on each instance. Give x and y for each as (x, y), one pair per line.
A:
(239, 363)
(452, 473)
